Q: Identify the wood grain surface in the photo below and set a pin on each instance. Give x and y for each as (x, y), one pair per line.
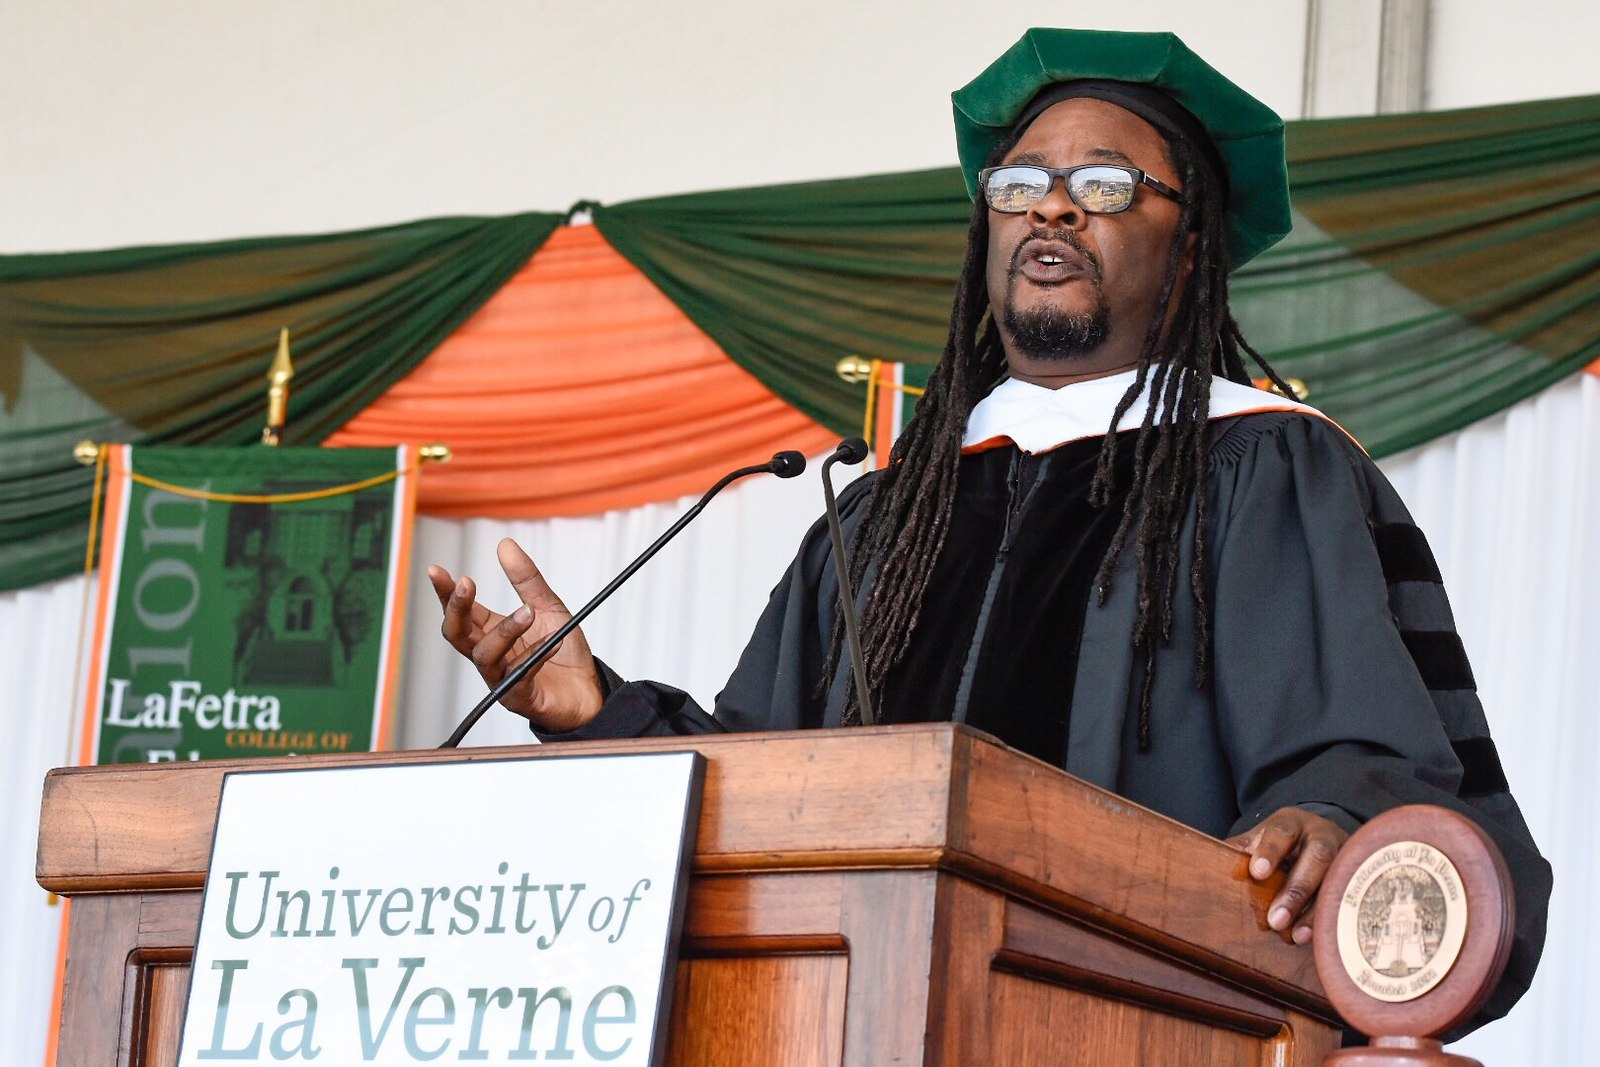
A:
(913, 895)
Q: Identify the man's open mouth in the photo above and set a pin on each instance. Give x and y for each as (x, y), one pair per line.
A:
(1045, 262)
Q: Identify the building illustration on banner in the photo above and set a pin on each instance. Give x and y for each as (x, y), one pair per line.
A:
(306, 577)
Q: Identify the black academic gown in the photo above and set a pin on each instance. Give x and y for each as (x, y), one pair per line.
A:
(1338, 683)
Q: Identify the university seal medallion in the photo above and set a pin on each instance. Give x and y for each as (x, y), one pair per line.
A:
(1401, 921)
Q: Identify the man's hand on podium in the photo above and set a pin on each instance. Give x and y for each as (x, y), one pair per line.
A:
(1304, 843)
(562, 694)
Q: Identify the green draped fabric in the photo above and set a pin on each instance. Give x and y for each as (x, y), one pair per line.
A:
(1443, 266)
(171, 345)
(790, 279)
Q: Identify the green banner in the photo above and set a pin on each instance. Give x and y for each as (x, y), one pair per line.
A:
(250, 603)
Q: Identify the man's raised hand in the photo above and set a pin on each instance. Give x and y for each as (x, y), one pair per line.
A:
(562, 694)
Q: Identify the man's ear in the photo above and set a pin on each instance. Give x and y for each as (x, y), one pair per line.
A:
(1187, 266)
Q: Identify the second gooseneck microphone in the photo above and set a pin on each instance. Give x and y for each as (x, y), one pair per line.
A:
(785, 465)
(850, 450)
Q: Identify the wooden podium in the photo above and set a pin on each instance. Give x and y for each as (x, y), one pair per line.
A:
(891, 895)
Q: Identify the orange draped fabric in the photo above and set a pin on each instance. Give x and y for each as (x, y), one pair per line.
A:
(579, 388)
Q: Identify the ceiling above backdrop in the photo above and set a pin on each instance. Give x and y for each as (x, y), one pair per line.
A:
(1443, 266)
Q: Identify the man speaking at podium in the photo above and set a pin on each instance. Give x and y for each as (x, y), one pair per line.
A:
(1097, 540)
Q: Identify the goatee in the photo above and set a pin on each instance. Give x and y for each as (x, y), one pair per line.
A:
(1049, 333)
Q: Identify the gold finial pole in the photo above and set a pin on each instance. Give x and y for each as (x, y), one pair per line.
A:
(1299, 390)
(854, 369)
(435, 453)
(278, 378)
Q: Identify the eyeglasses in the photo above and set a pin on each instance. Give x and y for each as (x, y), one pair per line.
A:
(1098, 188)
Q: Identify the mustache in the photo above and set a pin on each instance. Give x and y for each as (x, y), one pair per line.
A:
(1069, 238)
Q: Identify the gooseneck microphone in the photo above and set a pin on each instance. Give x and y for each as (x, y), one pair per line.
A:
(785, 465)
(850, 450)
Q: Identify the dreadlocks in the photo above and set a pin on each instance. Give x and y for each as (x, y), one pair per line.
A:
(908, 513)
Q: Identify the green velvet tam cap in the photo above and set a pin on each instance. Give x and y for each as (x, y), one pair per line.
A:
(1247, 133)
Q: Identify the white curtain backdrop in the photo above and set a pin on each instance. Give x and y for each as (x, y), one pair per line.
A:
(1511, 506)
(683, 618)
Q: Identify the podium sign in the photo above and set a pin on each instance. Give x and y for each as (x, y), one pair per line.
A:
(489, 910)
